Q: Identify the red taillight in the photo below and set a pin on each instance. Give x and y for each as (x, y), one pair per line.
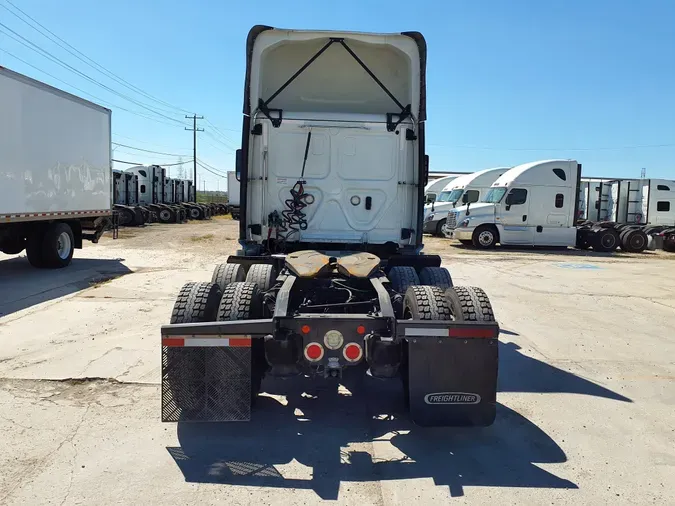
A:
(313, 352)
(305, 329)
(352, 352)
(360, 330)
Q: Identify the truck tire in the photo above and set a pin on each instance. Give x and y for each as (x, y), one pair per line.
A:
(634, 241)
(439, 231)
(225, 274)
(485, 237)
(436, 276)
(605, 240)
(243, 301)
(34, 248)
(402, 277)
(195, 213)
(58, 245)
(469, 304)
(195, 303)
(263, 275)
(165, 216)
(426, 303)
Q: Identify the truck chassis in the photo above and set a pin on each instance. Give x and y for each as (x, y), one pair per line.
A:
(397, 318)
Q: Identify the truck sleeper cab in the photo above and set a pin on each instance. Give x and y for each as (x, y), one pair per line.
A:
(329, 278)
(533, 204)
(474, 185)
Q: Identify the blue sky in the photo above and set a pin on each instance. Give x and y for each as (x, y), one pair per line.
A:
(508, 81)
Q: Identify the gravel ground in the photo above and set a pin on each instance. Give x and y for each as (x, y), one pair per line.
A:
(586, 390)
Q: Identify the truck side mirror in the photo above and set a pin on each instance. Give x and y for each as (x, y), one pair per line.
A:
(426, 169)
(238, 164)
(508, 201)
(465, 198)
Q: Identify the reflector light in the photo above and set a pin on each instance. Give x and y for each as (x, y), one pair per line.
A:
(313, 352)
(305, 329)
(360, 330)
(352, 352)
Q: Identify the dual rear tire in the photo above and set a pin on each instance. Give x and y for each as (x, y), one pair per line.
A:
(51, 247)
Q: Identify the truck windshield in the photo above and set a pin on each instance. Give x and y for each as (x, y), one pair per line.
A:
(495, 195)
(455, 195)
(444, 197)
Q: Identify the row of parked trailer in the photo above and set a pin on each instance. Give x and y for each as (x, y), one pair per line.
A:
(533, 205)
(144, 194)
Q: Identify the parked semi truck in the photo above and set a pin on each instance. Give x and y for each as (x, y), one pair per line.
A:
(475, 186)
(55, 171)
(125, 200)
(330, 275)
(537, 204)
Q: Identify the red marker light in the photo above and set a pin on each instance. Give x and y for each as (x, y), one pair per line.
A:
(313, 352)
(305, 329)
(352, 352)
(360, 330)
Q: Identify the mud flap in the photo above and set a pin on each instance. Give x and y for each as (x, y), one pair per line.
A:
(206, 384)
(452, 382)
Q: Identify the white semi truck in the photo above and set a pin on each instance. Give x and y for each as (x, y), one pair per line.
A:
(475, 186)
(330, 279)
(55, 171)
(537, 204)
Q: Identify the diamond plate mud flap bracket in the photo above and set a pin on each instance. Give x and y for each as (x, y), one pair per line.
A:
(206, 370)
(452, 377)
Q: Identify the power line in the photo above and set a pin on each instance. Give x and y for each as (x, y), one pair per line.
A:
(147, 150)
(146, 142)
(34, 47)
(220, 141)
(100, 100)
(218, 131)
(224, 176)
(160, 165)
(82, 57)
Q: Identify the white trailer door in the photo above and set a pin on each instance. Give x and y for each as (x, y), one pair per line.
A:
(359, 175)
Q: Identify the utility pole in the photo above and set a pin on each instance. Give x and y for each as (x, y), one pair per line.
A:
(194, 129)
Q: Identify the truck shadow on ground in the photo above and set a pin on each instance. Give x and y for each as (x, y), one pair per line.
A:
(366, 437)
(23, 286)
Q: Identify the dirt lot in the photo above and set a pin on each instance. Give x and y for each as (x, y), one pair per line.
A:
(587, 390)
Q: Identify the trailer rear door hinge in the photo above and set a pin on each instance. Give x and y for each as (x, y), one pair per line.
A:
(255, 229)
(410, 135)
(257, 129)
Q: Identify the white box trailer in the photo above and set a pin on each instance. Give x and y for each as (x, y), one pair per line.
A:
(55, 170)
(233, 190)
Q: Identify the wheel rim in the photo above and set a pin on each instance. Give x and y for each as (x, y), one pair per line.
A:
(63, 245)
(485, 238)
(195, 213)
(608, 241)
(164, 215)
(637, 241)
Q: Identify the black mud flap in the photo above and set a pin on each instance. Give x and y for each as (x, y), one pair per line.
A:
(452, 382)
(206, 384)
